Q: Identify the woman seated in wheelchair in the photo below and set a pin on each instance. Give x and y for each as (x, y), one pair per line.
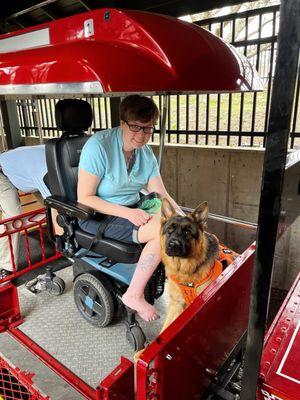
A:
(115, 164)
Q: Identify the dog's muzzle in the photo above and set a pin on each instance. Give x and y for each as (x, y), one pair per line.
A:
(175, 248)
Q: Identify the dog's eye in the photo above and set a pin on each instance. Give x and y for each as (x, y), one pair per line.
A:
(171, 229)
(186, 232)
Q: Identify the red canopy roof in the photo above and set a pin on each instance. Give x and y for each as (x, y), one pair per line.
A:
(115, 51)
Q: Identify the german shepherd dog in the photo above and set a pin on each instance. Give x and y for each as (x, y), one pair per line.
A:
(189, 254)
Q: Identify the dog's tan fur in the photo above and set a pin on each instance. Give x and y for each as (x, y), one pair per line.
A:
(192, 268)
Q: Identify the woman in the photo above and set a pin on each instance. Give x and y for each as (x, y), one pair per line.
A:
(115, 165)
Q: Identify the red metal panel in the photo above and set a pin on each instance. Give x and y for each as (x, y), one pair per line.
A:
(129, 51)
(266, 392)
(280, 367)
(9, 307)
(183, 360)
(119, 384)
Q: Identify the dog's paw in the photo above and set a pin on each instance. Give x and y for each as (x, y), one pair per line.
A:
(137, 356)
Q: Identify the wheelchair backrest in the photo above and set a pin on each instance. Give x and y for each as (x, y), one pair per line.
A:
(73, 117)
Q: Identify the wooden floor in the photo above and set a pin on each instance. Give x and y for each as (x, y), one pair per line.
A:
(29, 202)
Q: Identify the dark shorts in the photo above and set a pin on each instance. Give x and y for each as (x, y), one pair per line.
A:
(117, 228)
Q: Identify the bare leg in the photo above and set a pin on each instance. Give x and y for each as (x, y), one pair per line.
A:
(149, 260)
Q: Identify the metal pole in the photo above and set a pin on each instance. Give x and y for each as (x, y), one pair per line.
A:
(29, 9)
(114, 111)
(38, 120)
(227, 220)
(272, 183)
(11, 123)
(163, 128)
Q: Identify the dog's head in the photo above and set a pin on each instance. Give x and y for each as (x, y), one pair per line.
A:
(182, 233)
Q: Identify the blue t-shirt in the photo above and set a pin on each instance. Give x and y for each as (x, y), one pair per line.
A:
(102, 155)
(26, 167)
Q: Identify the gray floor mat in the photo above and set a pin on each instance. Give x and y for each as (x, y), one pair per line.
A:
(56, 325)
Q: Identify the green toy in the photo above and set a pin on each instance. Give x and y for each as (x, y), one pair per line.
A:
(151, 206)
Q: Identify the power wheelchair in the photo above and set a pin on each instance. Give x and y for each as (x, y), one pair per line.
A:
(102, 267)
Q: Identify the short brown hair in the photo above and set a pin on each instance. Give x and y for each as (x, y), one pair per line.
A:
(138, 108)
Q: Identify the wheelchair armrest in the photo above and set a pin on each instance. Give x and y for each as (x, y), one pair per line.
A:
(76, 210)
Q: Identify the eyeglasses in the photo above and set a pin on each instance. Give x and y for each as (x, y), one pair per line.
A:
(137, 128)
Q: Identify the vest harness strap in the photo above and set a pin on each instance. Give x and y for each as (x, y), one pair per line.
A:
(226, 255)
(189, 289)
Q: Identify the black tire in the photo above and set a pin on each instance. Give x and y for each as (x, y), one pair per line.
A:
(56, 287)
(136, 338)
(94, 302)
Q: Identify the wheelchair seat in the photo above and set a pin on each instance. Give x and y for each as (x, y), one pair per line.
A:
(74, 117)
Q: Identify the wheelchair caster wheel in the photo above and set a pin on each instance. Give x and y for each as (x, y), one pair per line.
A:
(135, 337)
(56, 286)
(48, 282)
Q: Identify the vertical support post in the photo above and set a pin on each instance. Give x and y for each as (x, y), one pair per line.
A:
(38, 120)
(11, 123)
(114, 111)
(163, 127)
(272, 183)
(24, 109)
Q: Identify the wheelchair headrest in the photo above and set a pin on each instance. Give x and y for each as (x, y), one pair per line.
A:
(73, 115)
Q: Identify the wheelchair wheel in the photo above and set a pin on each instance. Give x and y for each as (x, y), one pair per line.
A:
(56, 286)
(93, 300)
(136, 338)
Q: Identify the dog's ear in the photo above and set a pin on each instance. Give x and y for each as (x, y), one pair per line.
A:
(200, 214)
(167, 210)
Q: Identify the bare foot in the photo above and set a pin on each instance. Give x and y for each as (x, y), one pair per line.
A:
(140, 305)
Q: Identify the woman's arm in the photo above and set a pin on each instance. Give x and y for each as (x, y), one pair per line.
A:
(86, 194)
(156, 185)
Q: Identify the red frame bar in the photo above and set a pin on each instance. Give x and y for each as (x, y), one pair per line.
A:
(25, 379)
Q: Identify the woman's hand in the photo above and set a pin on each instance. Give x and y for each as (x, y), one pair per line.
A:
(137, 217)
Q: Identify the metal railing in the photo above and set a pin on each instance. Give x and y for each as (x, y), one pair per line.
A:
(29, 232)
